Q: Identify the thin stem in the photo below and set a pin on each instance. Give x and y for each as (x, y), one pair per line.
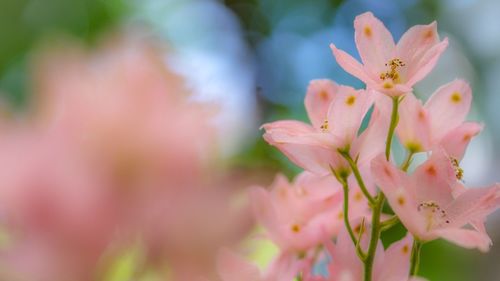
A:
(357, 175)
(387, 224)
(415, 257)
(392, 126)
(347, 223)
(406, 164)
(346, 211)
(377, 209)
(375, 235)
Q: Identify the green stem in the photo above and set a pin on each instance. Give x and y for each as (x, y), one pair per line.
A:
(377, 209)
(356, 241)
(392, 126)
(406, 164)
(346, 210)
(387, 224)
(415, 257)
(375, 235)
(357, 175)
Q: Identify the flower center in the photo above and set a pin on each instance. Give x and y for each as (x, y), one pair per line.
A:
(392, 73)
(324, 126)
(435, 216)
(459, 172)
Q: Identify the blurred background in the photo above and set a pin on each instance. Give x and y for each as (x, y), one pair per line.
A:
(256, 57)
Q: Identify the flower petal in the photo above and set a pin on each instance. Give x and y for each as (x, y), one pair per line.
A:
(351, 65)
(320, 94)
(374, 42)
(396, 263)
(434, 179)
(264, 209)
(414, 44)
(414, 127)
(456, 141)
(466, 238)
(473, 205)
(284, 268)
(448, 107)
(311, 157)
(233, 267)
(393, 183)
(347, 112)
(426, 63)
(372, 141)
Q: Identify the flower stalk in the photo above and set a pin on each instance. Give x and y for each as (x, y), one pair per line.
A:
(377, 209)
(357, 175)
(415, 257)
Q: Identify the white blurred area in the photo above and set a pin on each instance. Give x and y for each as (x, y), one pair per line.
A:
(209, 51)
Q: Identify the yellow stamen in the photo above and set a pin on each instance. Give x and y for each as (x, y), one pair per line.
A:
(324, 126)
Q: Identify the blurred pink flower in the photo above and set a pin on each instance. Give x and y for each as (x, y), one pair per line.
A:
(232, 267)
(389, 68)
(299, 216)
(393, 264)
(111, 154)
(430, 205)
(59, 218)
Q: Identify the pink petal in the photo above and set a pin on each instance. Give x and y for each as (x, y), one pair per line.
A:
(344, 258)
(396, 90)
(320, 94)
(456, 141)
(284, 268)
(233, 267)
(466, 238)
(264, 209)
(393, 183)
(291, 127)
(448, 107)
(414, 127)
(473, 205)
(414, 44)
(351, 65)
(312, 158)
(396, 263)
(303, 146)
(347, 112)
(434, 179)
(426, 63)
(374, 42)
(372, 141)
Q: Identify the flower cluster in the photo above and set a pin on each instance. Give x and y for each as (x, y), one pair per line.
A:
(108, 163)
(332, 216)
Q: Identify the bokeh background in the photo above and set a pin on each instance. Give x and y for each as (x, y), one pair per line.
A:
(255, 58)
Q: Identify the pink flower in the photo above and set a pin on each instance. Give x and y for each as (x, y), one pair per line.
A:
(336, 113)
(52, 207)
(232, 267)
(389, 68)
(111, 154)
(392, 264)
(440, 122)
(301, 215)
(430, 205)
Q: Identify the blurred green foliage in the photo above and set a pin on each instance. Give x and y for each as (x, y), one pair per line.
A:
(24, 23)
